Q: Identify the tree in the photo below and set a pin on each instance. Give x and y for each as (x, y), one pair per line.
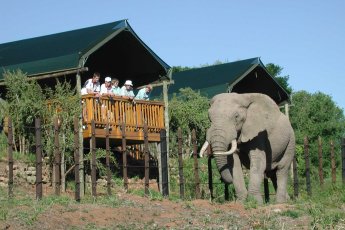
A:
(188, 111)
(25, 102)
(315, 115)
(275, 71)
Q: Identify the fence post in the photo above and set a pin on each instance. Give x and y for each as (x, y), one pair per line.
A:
(196, 166)
(209, 168)
(147, 159)
(320, 161)
(76, 159)
(10, 158)
(295, 177)
(266, 190)
(343, 159)
(180, 162)
(333, 163)
(57, 157)
(38, 159)
(107, 158)
(307, 165)
(164, 159)
(124, 156)
(93, 160)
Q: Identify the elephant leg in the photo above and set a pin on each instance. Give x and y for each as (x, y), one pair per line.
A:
(238, 179)
(283, 172)
(257, 170)
(282, 177)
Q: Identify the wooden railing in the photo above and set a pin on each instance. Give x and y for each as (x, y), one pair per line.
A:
(117, 111)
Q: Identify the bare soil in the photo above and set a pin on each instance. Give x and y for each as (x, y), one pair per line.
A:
(127, 211)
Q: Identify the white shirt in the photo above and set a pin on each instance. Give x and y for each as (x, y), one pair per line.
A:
(95, 87)
(105, 90)
(126, 93)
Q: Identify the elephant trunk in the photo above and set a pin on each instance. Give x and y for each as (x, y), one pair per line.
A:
(220, 140)
(231, 151)
(223, 166)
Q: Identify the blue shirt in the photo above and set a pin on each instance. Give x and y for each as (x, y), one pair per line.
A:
(116, 90)
(143, 95)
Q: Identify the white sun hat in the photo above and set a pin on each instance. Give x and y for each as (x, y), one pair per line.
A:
(107, 79)
(128, 82)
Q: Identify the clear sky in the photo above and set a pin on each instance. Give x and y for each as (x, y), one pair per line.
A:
(306, 38)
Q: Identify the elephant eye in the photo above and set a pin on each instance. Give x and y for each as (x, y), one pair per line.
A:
(237, 116)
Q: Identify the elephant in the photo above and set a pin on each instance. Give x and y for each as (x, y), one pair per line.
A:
(259, 136)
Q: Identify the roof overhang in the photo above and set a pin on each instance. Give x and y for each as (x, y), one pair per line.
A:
(258, 80)
(130, 58)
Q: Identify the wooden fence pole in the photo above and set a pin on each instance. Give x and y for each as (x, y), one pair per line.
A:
(209, 168)
(164, 165)
(147, 159)
(295, 178)
(266, 190)
(226, 192)
(107, 158)
(93, 159)
(76, 159)
(10, 157)
(343, 159)
(180, 162)
(196, 166)
(124, 156)
(333, 163)
(57, 157)
(38, 159)
(320, 161)
(307, 165)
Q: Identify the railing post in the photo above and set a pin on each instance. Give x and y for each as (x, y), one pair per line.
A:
(196, 166)
(38, 159)
(295, 177)
(333, 163)
(107, 146)
(76, 159)
(57, 157)
(164, 159)
(124, 156)
(320, 161)
(343, 159)
(180, 162)
(147, 159)
(93, 160)
(10, 158)
(307, 165)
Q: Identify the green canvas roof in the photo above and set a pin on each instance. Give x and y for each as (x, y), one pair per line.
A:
(73, 49)
(244, 76)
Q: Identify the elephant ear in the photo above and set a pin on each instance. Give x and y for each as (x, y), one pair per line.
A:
(262, 114)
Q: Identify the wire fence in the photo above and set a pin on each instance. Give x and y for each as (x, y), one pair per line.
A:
(170, 176)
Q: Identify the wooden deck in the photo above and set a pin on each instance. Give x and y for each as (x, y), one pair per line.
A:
(117, 111)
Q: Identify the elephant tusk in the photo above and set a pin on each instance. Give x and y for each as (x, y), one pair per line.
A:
(231, 151)
(203, 149)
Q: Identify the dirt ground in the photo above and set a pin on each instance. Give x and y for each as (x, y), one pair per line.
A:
(128, 211)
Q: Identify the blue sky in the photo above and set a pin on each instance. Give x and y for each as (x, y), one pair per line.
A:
(306, 38)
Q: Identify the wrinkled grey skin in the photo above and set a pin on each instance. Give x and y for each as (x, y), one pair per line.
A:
(265, 142)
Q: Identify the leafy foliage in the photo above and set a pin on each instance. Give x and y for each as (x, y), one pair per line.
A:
(315, 115)
(275, 71)
(25, 102)
(188, 111)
